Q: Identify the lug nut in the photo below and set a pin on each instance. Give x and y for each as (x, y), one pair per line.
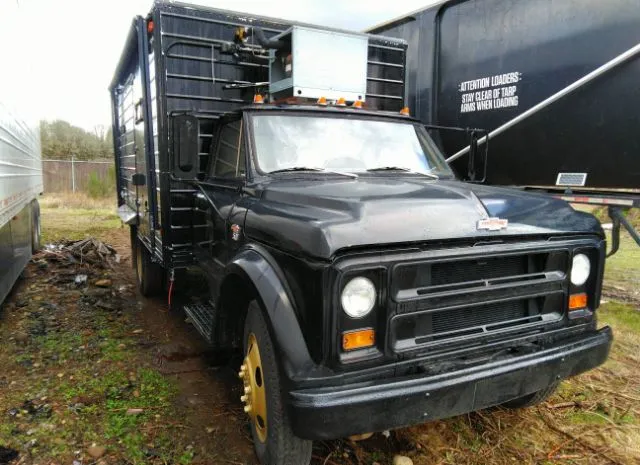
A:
(247, 408)
(247, 389)
(243, 398)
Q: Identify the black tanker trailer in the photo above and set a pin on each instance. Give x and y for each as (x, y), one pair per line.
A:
(555, 83)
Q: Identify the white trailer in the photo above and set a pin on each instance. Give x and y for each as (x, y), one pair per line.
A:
(20, 185)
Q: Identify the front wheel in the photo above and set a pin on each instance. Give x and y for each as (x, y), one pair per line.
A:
(273, 438)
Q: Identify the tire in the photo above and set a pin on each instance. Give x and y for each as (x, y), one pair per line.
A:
(532, 399)
(36, 229)
(278, 445)
(150, 276)
(133, 237)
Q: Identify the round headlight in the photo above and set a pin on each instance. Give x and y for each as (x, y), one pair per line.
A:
(358, 297)
(580, 269)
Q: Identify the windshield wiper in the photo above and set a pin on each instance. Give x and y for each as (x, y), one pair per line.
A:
(316, 170)
(400, 168)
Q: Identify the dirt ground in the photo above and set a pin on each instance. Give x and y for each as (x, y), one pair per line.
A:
(92, 373)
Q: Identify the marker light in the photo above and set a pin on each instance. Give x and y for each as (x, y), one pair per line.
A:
(580, 269)
(150, 26)
(577, 301)
(357, 104)
(258, 98)
(358, 339)
(358, 297)
(341, 102)
(405, 111)
(322, 101)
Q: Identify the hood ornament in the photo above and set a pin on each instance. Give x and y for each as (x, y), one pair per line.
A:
(493, 224)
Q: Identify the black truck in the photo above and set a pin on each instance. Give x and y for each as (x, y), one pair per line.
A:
(271, 172)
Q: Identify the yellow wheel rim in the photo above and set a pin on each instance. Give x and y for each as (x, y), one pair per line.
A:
(254, 396)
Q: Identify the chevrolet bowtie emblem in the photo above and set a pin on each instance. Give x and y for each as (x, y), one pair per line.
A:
(493, 224)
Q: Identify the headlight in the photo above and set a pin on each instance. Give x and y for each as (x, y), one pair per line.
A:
(580, 269)
(358, 297)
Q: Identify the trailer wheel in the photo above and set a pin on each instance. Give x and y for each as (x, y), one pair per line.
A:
(532, 399)
(273, 439)
(133, 237)
(150, 275)
(36, 228)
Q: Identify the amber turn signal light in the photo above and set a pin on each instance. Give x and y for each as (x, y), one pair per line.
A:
(322, 101)
(405, 111)
(358, 339)
(341, 102)
(577, 301)
(258, 98)
(357, 104)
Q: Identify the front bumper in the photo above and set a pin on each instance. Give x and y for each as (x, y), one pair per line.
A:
(339, 411)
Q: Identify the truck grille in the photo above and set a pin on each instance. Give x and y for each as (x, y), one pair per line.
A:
(472, 317)
(449, 299)
(469, 270)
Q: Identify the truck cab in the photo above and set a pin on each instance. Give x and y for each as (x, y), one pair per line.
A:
(371, 289)
(365, 285)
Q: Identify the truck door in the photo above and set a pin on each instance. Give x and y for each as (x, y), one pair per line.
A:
(225, 220)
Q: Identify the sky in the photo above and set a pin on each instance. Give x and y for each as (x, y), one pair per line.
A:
(57, 57)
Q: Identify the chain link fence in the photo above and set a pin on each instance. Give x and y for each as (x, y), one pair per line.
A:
(96, 177)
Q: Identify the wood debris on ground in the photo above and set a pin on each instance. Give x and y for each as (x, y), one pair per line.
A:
(89, 251)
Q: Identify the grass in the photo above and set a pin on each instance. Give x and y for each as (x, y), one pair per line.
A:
(76, 384)
(623, 268)
(624, 317)
(77, 200)
(76, 216)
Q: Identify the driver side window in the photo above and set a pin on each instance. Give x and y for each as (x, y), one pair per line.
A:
(228, 158)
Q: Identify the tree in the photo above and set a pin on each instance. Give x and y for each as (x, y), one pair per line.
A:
(60, 140)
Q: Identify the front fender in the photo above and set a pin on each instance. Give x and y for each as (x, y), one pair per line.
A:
(257, 265)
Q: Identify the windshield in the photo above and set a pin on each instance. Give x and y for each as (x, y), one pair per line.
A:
(287, 142)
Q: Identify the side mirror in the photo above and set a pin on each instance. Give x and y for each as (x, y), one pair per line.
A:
(138, 179)
(184, 144)
(478, 156)
(478, 151)
(473, 154)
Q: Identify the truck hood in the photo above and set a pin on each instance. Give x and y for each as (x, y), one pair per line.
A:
(319, 218)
